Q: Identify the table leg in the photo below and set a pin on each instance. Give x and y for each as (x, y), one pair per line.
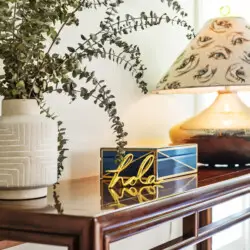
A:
(190, 225)
(205, 218)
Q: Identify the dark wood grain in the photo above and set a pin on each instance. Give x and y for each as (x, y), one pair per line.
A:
(175, 244)
(47, 229)
(208, 231)
(78, 221)
(190, 233)
(190, 225)
(213, 176)
(138, 219)
(7, 244)
(205, 218)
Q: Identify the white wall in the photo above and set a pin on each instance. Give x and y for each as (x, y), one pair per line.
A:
(147, 118)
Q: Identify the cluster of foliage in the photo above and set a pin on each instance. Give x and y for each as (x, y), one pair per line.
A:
(31, 69)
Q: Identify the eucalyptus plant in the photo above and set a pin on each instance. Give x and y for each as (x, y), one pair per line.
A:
(32, 70)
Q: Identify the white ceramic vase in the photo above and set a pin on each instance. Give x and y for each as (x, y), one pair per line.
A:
(28, 151)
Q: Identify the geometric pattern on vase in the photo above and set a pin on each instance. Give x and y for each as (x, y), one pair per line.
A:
(28, 152)
(217, 57)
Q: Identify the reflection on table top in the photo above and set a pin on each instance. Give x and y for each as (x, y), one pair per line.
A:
(91, 197)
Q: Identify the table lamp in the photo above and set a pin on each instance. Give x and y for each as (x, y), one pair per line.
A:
(218, 59)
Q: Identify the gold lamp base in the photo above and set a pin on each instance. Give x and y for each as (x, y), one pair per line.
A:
(222, 131)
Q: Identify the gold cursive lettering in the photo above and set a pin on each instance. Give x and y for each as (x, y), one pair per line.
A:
(132, 181)
(133, 192)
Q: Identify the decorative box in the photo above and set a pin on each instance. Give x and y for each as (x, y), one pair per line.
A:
(171, 161)
(112, 198)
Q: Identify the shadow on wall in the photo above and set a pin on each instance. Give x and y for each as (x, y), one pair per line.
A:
(81, 161)
(147, 121)
(151, 117)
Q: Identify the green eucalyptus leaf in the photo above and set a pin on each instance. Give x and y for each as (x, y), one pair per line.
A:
(36, 89)
(83, 37)
(71, 49)
(20, 85)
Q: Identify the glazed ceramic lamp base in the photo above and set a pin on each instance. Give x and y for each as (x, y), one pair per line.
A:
(222, 131)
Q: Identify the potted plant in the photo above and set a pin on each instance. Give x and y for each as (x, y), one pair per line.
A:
(30, 157)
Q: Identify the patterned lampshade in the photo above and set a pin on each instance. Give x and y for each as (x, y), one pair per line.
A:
(218, 58)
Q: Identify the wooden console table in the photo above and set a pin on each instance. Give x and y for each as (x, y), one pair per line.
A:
(77, 216)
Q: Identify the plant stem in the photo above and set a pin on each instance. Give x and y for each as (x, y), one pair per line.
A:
(63, 25)
(54, 40)
(57, 35)
(14, 19)
(126, 61)
(88, 40)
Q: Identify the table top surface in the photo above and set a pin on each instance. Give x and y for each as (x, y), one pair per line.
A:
(91, 197)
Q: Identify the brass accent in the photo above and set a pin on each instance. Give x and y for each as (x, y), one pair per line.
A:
(172, 158)
(132, 181)
(119, 195)
(155, 166)
(225, 10)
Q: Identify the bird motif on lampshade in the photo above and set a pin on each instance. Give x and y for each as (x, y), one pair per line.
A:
(217, 59)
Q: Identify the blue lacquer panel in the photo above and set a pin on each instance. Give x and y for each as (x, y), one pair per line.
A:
(176, 165)
(171, 161)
